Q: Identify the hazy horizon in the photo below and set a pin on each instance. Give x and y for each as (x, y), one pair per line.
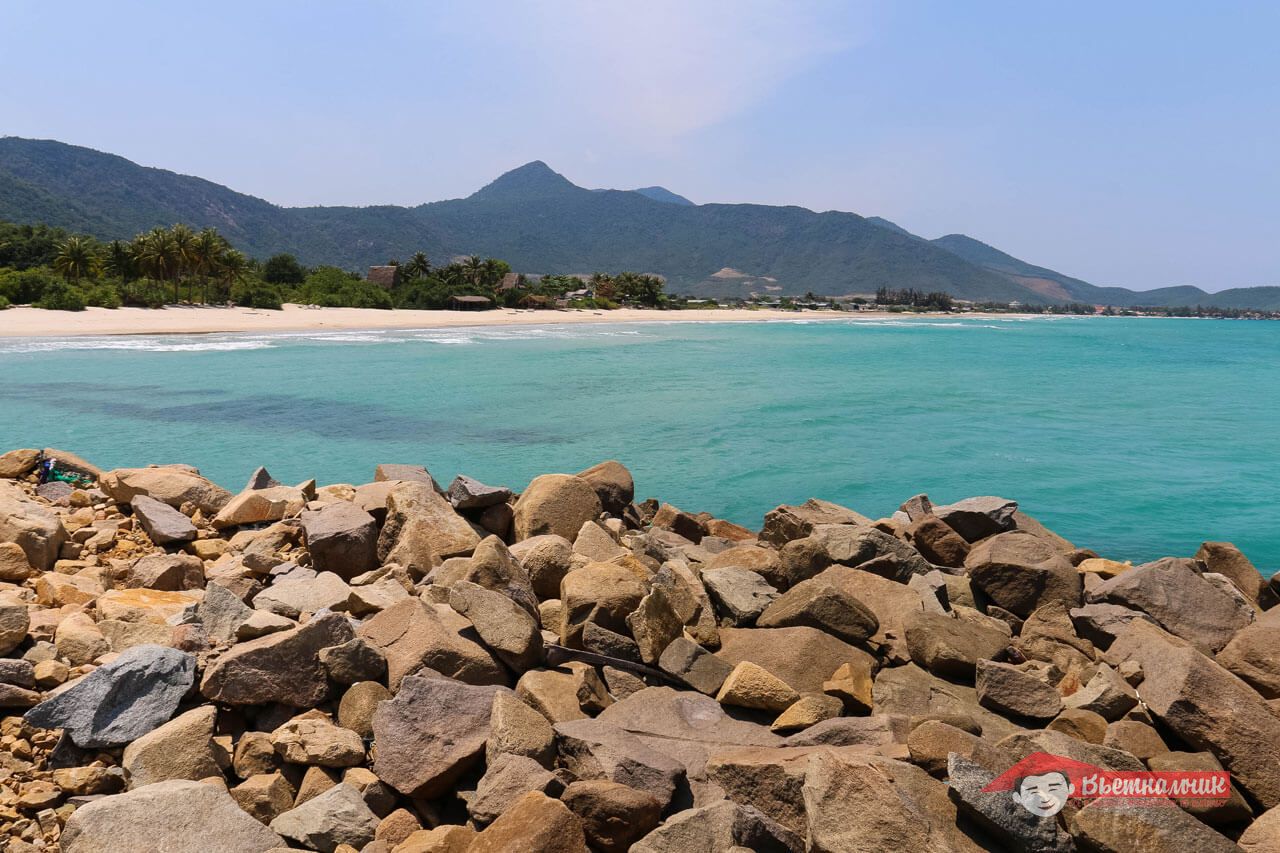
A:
(1121, 145)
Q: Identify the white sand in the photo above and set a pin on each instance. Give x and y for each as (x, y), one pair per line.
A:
(36, 322)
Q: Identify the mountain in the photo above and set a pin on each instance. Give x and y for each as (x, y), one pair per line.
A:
(541, 222)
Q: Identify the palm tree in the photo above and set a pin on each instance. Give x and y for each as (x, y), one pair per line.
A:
(232, 267)
(473, 269)
(77, 257)
(603, 287)
(206, 254)
(158, 257)
(417, 267)
(118, 261)
(184, 241)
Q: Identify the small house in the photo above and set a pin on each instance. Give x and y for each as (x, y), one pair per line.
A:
(388, 276)
(470, 303)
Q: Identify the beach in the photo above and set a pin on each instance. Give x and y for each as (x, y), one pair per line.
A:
(204, 319)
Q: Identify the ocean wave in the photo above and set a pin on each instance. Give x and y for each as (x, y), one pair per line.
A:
(128, 344)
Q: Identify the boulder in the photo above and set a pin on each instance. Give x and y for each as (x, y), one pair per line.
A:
(534, 822)
(721, 826)
(603, 593)
(394, 473)
(1213, 812)
(172, 485)
(339, 816)
(597, 749)
(177, 816)
(35, 529)
(978, 518)
(934, 742)
(506, 779)
(938, 542)
(353, 661)
(221, 612)
(341, 538)
(853, 685)
(820, 603)
(613, 486)
(466, 493)
(870, 548)
(17, 464)
(654, 624)
(1251, 654)
(283, 667)
(694, 665)
(517, 729)
(1263, 835)
(164, 572)
(162, 523)
(1113, 826)
(546, 559)
(802, 657)
(503, 625)
(260, 505)
(1106, 694)
(1020, 572)
(911, 691)
(596, 543)
(432, 732)
(785, 523)
(313, 739)
(121, 701)
(740, 595)
(1008, 689)
(752, 686)
(358, 704)
(14, 567)
(1226, 559)
(556, 503)
(493, 567)
(810, 710)
(613, 816)
(1017, 828)
(422, 528)
(1101, 623)
(291, 597)
(180, 749)
(952, 647)
(413, 635)
(1174, 593)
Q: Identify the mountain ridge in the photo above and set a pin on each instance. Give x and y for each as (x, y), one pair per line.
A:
(540, 221)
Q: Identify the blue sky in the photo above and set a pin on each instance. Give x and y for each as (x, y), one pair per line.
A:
(1134, 144)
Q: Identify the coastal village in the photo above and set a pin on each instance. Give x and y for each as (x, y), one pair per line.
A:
(401, 666)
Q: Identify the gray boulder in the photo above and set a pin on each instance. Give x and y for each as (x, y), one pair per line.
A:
(466, 493)
(1017, 828)
(342, 538)
(978, 518)
(740, 595)
(163, 523)
(337, 816)
(121, 701)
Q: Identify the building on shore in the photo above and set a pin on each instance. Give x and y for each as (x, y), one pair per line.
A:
(387, 275)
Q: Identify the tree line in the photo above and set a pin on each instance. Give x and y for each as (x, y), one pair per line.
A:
(50, 268)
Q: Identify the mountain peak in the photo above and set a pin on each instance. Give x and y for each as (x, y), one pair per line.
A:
(532, 180)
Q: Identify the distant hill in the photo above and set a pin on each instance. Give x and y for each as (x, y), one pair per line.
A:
(541, 222)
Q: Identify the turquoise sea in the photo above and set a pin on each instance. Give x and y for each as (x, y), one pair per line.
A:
(1138, 438)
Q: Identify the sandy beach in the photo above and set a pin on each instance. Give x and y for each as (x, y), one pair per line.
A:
(37, 322)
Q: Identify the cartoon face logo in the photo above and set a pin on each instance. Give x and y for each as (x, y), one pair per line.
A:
(1045, 794)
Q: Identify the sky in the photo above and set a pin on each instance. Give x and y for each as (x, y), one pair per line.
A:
(1133, 144)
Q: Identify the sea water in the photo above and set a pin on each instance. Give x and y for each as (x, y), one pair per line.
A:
(1138, 438)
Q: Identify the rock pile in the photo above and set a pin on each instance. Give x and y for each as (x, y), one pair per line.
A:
(397, 667)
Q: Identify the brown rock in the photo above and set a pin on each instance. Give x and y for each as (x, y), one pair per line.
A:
(1213, 812)
(1226, 559)
(517, 729)
(1008, 689)
(259, 505)
(556, 503)
(14, 567)
(820, 603)
(654, 624)
(503, 625)
(535, 822)
(1080, 724)
(180, 749)
(312, 738)
(1112, 826)
(355, 711)
(603, 593)
(174, 486)
(613, 815)
(853, 685)
(422, 528)
(801, 657)
(264, 797)
(1020, 572)
(413, 635)
(546, 559)
(35, 529)
(284, 667)
(810, 709)
(752, 686)
(442, 839)
(341, 538)
(952, 647)
(937, 542)
(1251, 654)
(613, 486)
(785, 523)
(17, 464)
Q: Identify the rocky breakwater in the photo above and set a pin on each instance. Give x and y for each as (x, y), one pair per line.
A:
(396, 667)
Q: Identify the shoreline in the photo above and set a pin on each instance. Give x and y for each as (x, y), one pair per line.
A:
(26, 322)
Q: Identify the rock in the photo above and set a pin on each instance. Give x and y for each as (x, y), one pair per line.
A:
(819, 603)
(14, 567)
(121, 701)
(1251, 655)
(1213, 812)
(506, 780)
(655, 624)
(356, 710)
(1006, 689)
(1080, 724)
(517, 729)
(1113, 826)
(603, 593)
(171, 485)
(809, 710)
(56, 492)
(595, 543)
(291, 597)
(396, 827)
(264, 796)
(1263, 835)
(869, 548)
(353, 661)
(254, 756)
(503, 625)
(1101, 623)
(1136, 738)
(978, 518)
(413, 635)
(852, 684)
(952, 647)
(13, 696)
(785, 523)
(602, 641)
(556, 503)
(422, 529)
(802, 657)
(740, 595)
(396, 472)
(176, 816)
(35, 529)
(17, 672)
(313, 739)
(17, 464)
(1178, 597)
(221, 612)
(493, 567)
(597, 749)
(937, 542)
(466, 493)
(79, 641)
(260, 505)
(932, 744)
(338, 816)
(431, 732)
(180, 749)
(1226, 559)
(751, 686)
(1106, 694)
(546, 559)
(1187, 691)
(722, 826)
(552, 693)
(261, 479)
(535, 822)
(341, 538)
(164, 524)
(163, 572)
(613, 486)
(283, 667)
(442, 839)
(694, 665)
(998, 813)
(613, 815)
(1020, 573)
(911, 691)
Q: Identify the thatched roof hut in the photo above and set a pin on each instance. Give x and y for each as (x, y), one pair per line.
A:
(388, 276)
(470, 303)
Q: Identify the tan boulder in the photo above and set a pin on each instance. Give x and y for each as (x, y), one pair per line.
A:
(534, 822)
(556, 503)
(14, 566)
(412, 635)
(17, 464)
(603, 593)
(422, 528)
(35, 529)
(752, 686)
(255, 506)
(180, 749)
(312, 738)
(171, 485)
